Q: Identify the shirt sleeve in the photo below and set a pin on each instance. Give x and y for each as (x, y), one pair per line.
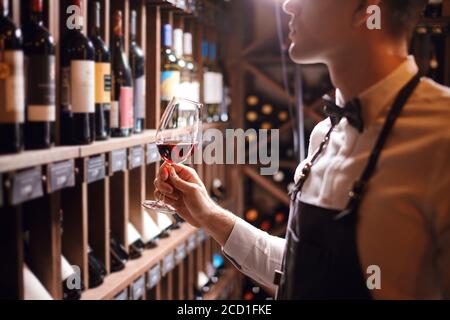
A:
(254, 252)
(440, 208)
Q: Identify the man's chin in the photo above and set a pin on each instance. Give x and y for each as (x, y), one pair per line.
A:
(300, 56)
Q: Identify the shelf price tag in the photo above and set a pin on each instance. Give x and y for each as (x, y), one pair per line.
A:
(95, 169)
(168, 264)
(122, 296)
(192, 243)
(138, 288)
(180, 253)
(26, 186)
(137, 157)
(60, 175)
(117, 161)
(201, 236)
(154, 276)
(152, 154)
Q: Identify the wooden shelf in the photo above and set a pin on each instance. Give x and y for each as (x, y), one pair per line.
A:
(117, 144)
(28, 159)
(217, 290)
(117, 282)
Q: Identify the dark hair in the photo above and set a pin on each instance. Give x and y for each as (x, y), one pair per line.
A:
(402, 15)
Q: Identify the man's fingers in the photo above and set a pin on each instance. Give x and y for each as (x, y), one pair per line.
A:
(164, 172)
(164, 187)
(160, 195)
(179, 183)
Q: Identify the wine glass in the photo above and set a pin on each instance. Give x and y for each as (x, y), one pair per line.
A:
(177, 136)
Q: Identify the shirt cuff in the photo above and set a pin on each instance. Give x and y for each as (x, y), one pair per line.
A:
(241, 242)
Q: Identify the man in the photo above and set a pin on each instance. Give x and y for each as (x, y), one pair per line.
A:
(395, 220)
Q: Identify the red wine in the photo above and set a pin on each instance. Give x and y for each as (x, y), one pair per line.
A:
(137, 63)
(78, 86)
(122, 105)
(175, 152)
(12, 95)
(39, 50)
(102, 76)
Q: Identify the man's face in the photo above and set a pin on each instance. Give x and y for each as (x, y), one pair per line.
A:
(319, 29)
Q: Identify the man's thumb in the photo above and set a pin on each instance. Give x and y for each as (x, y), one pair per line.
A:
(179, 183)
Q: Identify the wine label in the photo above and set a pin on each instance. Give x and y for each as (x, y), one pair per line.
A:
(138, 288)
(41, 89)
(137, 155)
(164, 221)
(170, 81)
(61, 175)
(126, 108)
(33, 288)
(209, 87)
(168, 264)
(152, 154)
(82, 83)
(122, 296)
(103, 83)
(192, 243)
(154, 276)
(114, 115)
(27, 185)
(139, 97)
(12, 93)
(118, 161)
(95, 169)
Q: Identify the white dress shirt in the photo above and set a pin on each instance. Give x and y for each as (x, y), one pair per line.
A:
(404, 218)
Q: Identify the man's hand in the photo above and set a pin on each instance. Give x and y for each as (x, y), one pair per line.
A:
(183, 189)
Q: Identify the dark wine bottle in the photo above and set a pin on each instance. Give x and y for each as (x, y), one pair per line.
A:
(97, 270)
(122, 105)
(170, 74)
(136, 246)
(72, 287)
(77, 84)
(12, 95)
(39, 50)
(137, 63)
(119, 255)
(102, 76)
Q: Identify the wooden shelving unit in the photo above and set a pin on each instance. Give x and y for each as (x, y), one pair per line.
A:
(89, 191)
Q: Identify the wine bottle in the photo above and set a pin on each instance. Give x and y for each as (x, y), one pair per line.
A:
(137, 63)
(72, 284)
(136, 246)
(39, 51)
(97, 270)
(170, 73)
(12, 95)
(102, 76)
(208, 83)
(122, 117)
(434, 9)
(118, 255)
(33, 288)
(190, 75)
(217, 84)
(77, 84)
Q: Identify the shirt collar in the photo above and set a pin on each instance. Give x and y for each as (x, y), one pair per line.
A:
(380, 96)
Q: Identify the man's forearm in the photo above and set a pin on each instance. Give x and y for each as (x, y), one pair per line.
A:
(219, 224)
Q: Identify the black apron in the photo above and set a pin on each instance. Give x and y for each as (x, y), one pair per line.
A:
(321, 259)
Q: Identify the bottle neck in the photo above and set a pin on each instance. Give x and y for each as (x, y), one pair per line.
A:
(95, 29)
(133, 26)
(4, 8)
(36, 18)
(167, 36)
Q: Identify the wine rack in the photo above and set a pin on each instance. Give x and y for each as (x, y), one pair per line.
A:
(70, 198)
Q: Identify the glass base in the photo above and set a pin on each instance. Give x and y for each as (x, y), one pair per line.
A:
(159, 206)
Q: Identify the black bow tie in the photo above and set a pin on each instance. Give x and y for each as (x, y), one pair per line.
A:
(351, 111)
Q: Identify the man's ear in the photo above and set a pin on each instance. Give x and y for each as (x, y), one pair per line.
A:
(360, 14)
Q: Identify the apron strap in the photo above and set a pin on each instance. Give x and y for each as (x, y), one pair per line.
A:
(357, 192)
